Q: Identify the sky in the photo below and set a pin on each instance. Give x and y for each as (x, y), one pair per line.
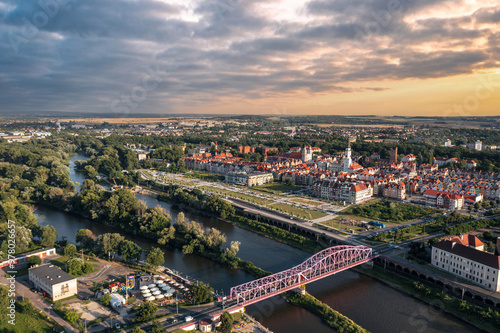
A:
(277, 57)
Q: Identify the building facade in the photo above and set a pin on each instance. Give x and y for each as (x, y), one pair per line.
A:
(53, 281)
(464, 256)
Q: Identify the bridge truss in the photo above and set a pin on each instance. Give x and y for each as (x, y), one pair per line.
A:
(327, 262)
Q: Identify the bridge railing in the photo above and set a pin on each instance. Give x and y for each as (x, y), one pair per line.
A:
(321, 264)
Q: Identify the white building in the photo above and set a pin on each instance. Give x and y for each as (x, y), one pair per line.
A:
(117, 300)
(347, 158)
(464, 256)
(478, 145)
(447, 143)
(56, 283)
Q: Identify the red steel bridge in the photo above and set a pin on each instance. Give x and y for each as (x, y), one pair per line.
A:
(325, 263)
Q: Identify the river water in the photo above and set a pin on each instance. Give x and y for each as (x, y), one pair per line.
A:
(368, 302)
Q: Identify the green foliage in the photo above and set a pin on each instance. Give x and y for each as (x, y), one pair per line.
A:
(129, 251)
(33, 261)
(277, 233)
(137, 329)
(226, 322)
(154, 257)
(49, 236)
(72, 316)
(389, 211)
(75, 268)
(106, 299)
(157, 327)
(146, 312)
(212, 204)
(70, 250)
(465, 228)
(202, 293)
(333, 318)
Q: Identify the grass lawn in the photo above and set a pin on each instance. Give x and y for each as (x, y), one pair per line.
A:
(237, 195)
(61, 262)
(298, 211)
(28, 318)
(389, 211)
(307, 202)
(277, 188)
(205, 176)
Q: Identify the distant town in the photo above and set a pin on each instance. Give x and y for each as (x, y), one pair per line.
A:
(191, 223)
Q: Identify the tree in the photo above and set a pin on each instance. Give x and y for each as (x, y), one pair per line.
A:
(72, 316)
(106, 299)
(233, 249)
(34, 261)
(202, 292)
(23, 239)
(157, 327)
(74, 268)
(137, 329)
(86, 238)
(90, 172)
(109, 243)
(226, 322)
(49, 236)
(146, 312)
(154, 257)
(70, 250)
(129, 250)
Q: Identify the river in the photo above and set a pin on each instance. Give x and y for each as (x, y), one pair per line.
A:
(370, 303)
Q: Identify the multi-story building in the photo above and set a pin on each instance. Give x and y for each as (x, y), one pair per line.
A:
(53, 281)
(464, 256)
(249, 178)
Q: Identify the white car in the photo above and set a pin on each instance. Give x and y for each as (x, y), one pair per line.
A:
(188, 318)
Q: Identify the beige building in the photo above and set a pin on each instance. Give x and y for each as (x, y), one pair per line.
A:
(249, 178)
(464, 256)
(56, 283)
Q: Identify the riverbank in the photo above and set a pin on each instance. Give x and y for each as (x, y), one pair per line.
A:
(333, 318)
(484, 319)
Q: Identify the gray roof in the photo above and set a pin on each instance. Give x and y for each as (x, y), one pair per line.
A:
(51, 274)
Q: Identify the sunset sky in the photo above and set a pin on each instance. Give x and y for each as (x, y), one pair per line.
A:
(386, 57)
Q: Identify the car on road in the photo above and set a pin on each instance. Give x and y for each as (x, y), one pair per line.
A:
(188, 319)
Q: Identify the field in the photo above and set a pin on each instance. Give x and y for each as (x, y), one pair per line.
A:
(297, 211)
(276, 188)
(237, 195)
(205, 176)
(389, 211)
(307, 202)
(336, 223)
(27, 317)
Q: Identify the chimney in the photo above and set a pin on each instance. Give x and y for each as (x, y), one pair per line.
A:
(497, 247)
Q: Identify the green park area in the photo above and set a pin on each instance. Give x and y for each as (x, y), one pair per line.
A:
(27, 317)
(389, 211)
(277, 188)
(298, 211)
(209, 177)
(237, 195)
(307, 202)
(74, 266)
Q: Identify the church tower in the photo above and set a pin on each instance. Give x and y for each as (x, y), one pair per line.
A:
(347, 157)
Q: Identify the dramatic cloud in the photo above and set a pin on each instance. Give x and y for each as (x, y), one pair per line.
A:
(169, 56)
